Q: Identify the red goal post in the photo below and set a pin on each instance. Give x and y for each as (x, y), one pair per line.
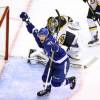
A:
(5, 16)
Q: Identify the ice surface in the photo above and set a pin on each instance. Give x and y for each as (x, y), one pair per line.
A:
(21, 81)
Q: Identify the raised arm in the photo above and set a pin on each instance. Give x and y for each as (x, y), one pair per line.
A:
(30, 27)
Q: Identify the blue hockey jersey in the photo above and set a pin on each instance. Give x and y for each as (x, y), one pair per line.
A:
(50, 45)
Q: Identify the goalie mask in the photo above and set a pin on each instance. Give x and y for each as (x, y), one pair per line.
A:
(52, 24)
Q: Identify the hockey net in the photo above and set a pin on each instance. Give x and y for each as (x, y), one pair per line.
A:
(4, 32)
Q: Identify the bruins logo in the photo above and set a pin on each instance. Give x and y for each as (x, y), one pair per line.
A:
(61, 39)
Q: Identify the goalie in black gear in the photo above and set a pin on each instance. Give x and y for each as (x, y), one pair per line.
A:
(93, 15)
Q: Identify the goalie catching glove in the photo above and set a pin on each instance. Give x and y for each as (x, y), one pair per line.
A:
(55, 47)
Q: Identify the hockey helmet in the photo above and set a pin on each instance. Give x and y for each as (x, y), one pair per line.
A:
(43, 31)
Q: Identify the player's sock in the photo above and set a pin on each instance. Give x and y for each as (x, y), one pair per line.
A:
(45, 91)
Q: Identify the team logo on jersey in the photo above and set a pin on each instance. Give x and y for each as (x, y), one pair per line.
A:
(49, 43)
(61, 39)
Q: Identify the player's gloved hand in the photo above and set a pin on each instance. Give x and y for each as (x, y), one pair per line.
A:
(24, 16)
(85, 1)
(55, 47)
(30, 27)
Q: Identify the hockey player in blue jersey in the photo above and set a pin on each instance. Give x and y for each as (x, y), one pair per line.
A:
(65, 37)
(60, 61)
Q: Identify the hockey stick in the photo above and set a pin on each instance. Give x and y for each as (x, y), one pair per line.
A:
(98, 21)
(51, 59)
(59, 21)
(85, 64)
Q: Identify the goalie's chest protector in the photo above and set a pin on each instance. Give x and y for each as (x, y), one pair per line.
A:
(65, 37)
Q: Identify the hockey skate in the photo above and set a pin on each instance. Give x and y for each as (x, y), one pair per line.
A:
(94, 42)
(73, 83)
(45, 91)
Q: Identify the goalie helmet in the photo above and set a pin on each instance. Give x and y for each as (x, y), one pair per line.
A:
(52, 24)
(62, 21)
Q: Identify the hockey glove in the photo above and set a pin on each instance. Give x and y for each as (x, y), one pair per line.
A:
(30, 27)
(55, 47)
(24, 16)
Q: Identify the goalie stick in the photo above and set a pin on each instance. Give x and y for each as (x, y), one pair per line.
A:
(84, 64)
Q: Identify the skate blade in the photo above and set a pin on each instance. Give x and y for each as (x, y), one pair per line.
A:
(44, 95)
(91, 45)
